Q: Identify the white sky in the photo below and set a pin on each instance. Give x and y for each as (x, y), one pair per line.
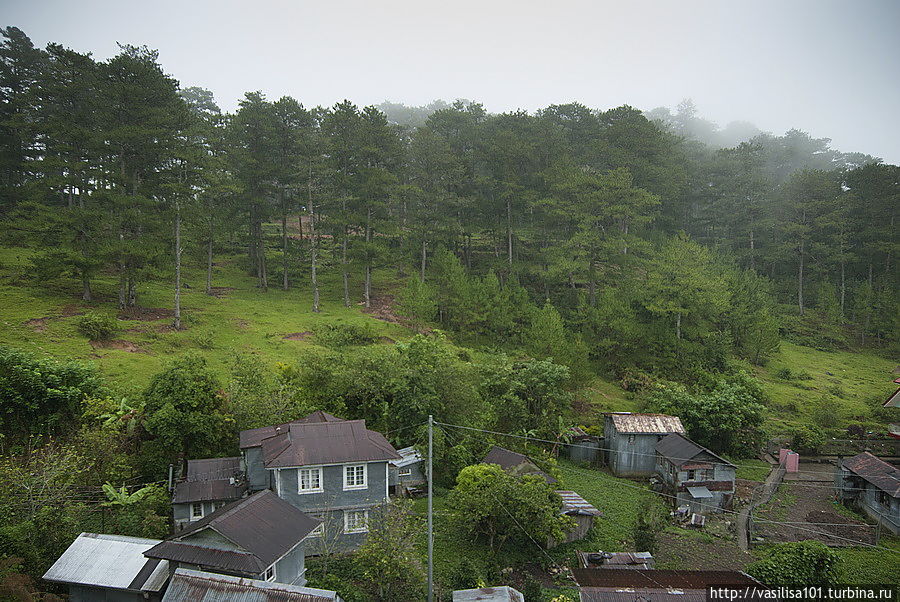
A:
(831, 68)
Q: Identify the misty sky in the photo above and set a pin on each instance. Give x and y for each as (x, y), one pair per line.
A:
(830, 68)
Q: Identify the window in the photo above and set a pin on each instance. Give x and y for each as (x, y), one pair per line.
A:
(355, 476)
(883, 498)
(217, 505)
(405, 472)
(319, 531)
(355, 521)
(197, 510)
(309, 480)
(630, 439)
(692, 475)
(269, 574)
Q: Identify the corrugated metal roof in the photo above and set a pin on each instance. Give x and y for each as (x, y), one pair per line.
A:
(680, 450)
(575, 504)
(408, 455)
(893, 401)
(207, 491)
(876, 471)
(657, 578)
(612, 594)
(113, 561)
(212, 469)
(263, 524)
(255, 437)
(699, 493)
(502, 593)
(625, 422)
(514, 463)
(200, 586)
(309, 444)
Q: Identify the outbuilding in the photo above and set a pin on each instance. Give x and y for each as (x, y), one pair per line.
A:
(631, 441)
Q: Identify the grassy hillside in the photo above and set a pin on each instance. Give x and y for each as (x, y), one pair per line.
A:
(41, 316)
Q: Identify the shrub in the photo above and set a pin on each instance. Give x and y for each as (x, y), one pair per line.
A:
(797, 564)
(807, 439)
(97, 327)
(344, 335)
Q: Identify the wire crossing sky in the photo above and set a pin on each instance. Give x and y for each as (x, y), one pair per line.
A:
(831, 68)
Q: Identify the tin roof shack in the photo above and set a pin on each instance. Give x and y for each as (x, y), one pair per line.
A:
(873, 485)
(331, 468)
(407, 473)
(631, 441)
(582, 446)
(110, 567)
(697, 477)
(653, 585)
(502, 593)
(260, 537)
(581, 511)
(210, 484)
(615, 560)
(514, 463)
(200, 586)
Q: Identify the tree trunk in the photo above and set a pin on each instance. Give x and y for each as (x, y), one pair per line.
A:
(678, 326)
(509, 241)
(209, 260)
(422, 266)
(86, 288)
(843, 284)
(177, 266)
(368, 283)
(313, 242)
(284, 243)
(800, 280)
(752, 251)
(132, 292)
(344, 276)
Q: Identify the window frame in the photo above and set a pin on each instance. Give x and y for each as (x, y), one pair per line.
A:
(266, 576)
(365, 477)
(363, 529)
(405, 471)
(321, 476)
(194, 515)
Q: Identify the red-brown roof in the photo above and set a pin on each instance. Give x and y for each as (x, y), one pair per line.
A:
(876, 471)
(255, 437)
(310, 444)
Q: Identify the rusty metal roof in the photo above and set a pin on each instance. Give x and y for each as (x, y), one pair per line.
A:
(255, 437)
(626, 422)
(263, 525)
(679, 450)
(575, 504)
(312, 443)
(110, 561)
(211, 469)
(876, 471)
(200, 586)
(207, 491)
(514, 463)
(659, 578)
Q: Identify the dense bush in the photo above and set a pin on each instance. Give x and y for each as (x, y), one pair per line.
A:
(798, 564)
(97, 326)
(344, 335)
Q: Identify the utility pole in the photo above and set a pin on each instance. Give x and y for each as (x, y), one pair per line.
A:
(430, 517)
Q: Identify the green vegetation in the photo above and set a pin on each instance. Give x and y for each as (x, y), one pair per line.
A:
(798, 564)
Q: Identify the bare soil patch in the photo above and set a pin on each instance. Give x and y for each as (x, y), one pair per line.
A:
(71, 309)
(220, 291)
(146, 314)
(241, 323)
(386, 340)
(118, 344)
(297, 336)
(38, 324)
(382, 308)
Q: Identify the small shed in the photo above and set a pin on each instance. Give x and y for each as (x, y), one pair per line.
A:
(407, 472)
(631, 441)
(583, 447)
(211, 587)
(514, 463)
(502, 593)
(99, 567)
(581, 511)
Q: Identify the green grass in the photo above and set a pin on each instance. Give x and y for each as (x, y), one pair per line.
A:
(244, 319)
(849, 384)
(870, 566)
(751, 469)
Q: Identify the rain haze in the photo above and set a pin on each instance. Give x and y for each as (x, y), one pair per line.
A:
(829, 68)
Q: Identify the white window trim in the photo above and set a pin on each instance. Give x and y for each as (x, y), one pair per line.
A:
(404, 472)
(319, 531)
(193, 515)
(365, 473)
(321, 486)
(265, 572)
(364, 529)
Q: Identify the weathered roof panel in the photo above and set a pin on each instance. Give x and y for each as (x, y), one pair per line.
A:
(876, 471)
(200, 586)
(408, 455)
(207, 491)
(679, 450)
(894, 400)
(255, 437)
(112, 561)
(514, 463)
(502, 593)
(213, 469)
(625, 422)
(575, 504)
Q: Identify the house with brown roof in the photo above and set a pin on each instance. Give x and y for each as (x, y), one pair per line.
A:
(210, 484)
(515, 463)
(333, 469)
(257, 537)
(623, 584)
(873, 486)
(693, 475)
(630, 441)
